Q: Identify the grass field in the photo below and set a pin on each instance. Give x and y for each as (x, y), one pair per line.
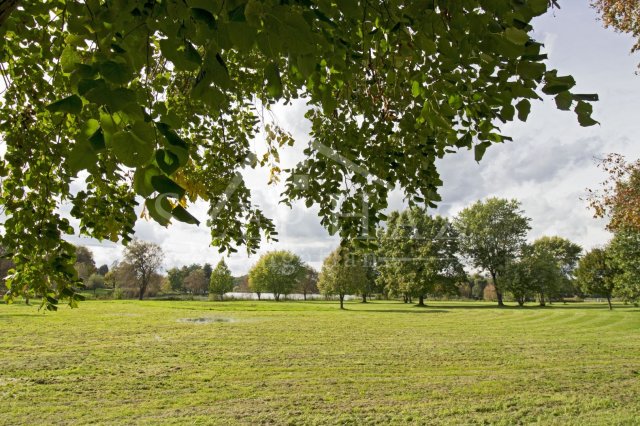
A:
(126, 362)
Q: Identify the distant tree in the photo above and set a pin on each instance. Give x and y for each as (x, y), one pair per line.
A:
(424, 250)
(94, 282)
(309, 282)
(145, 258)
(241, 284)
(221, 280)
(85, 265)
(176, 277)
(566, 255)
(340, 276)
(103, 270)
(517, 280)
(479, 283)
(624, 250)
(195, 282)
(491, 234)
(207, 269)
(596, 274)
(277, 272)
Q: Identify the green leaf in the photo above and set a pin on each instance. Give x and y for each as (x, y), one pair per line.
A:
(480, 149)
(516, 36)
(116, 72)
(71, 105)
(584, 110)
(524, 108)
(183, 215)
(564, 100)
(81, 157)
(167, 161)
(142, 180)
(166, 186)
(159, 209)
(274, 83)
(130, 150)
(242, 35)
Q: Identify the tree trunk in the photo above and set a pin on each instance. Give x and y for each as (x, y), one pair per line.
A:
(520, 301)
(421, 300)
(498, 292)
(6, 8)
(405, 298)
(276, 296)
(258, 296)
(221, 296)
(364, 298)
(542, 302)
(609, 302)
(304, 295)
(342, 301)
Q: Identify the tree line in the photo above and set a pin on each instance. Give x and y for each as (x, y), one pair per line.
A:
(482, 253)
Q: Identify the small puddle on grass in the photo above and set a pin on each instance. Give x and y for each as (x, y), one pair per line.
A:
(206, 320)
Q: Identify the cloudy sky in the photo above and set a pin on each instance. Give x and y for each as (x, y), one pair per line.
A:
(547, 166)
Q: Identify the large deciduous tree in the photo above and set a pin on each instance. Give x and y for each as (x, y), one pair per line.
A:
(491, 234)
(159, 101)
(342, 274)
(596, 274)
(277, 272)
(624, 250)
(423, 249)
(144, 258)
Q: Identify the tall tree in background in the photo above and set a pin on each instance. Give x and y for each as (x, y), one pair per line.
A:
(195, 282)
(596, 274)
(221, 280)
(103, 270)
(624, 250)
(492, 234)
(207, 269)
(277, 272)
(341, 275)
(566, 255)
(427, 249)
(309, 282)
(161, 100)
(144, 258)
(85, 265)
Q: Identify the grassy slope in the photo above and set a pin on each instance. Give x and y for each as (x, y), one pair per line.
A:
(307, 362)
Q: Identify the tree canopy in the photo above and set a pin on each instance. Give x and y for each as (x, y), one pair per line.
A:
(278, 272)
(221, 281)
(491, 234)
(158, 102)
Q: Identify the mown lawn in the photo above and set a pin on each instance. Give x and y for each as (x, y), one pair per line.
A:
(127, 362)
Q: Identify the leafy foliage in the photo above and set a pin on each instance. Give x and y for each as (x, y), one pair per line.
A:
(419, 253)
(277, 272)
(144, 259)
(160, 101)
(596, 273)
(619, 196)
(492, 234)
(624, 250)
(221, 280)
(341, 274)
(622, 15)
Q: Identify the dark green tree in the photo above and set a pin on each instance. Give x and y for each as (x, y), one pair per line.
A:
(221, 280)
(492, 234)
(596, 274)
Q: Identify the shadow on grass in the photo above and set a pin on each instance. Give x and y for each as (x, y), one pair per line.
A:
(408, 310)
